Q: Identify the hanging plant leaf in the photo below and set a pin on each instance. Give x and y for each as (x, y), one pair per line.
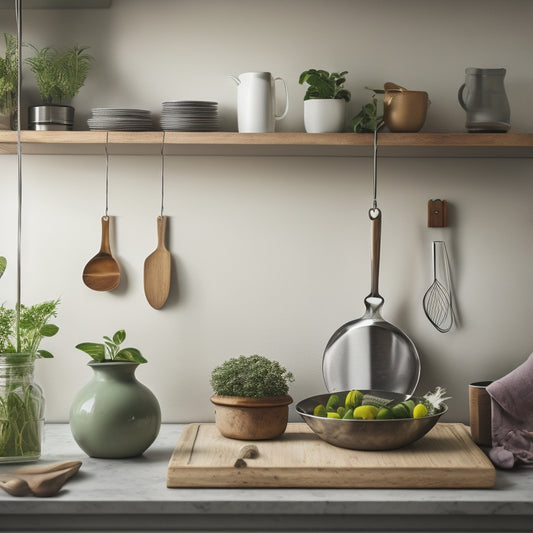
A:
(3, 265)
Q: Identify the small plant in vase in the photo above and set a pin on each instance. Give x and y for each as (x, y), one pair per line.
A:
(114, 415)
(22, 330)
(8, 82)
(324, 101)
(251, 397)
(59, 75)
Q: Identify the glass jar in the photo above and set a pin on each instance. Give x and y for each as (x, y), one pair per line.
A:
(21, 410)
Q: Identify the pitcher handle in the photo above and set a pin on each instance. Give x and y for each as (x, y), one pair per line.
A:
(279, 117)
(460, 97)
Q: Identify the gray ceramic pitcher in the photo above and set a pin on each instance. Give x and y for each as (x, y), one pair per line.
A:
(483, 98)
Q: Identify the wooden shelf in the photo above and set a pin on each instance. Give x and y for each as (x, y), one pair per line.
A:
(271, 144)
(58, 4)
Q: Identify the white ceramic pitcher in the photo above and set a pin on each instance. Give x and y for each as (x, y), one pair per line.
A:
(256, 102)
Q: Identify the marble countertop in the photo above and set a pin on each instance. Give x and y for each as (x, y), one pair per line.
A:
(106, 493)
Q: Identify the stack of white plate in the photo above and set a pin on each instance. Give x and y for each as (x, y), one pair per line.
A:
(189, 115)
(116, 119)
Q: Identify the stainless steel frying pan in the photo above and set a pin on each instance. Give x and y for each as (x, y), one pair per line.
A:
(371, 353)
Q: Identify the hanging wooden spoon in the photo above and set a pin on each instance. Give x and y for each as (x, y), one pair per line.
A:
(157, 269)
(102, 272)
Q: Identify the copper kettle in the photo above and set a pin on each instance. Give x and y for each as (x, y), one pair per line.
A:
(404, 111)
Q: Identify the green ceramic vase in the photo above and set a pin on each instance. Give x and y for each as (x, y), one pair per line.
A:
(114, 416)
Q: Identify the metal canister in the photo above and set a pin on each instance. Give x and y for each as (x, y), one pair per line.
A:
(51, 117)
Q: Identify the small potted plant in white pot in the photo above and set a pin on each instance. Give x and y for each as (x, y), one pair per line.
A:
(324, 101)
(114, 416)
(59, 75)
(251, 397)
(8, 82)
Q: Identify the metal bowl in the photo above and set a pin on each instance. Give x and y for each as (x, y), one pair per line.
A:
(366, 434)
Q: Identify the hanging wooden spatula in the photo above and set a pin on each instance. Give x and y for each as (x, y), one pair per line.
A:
(102, 272)
(157, 269)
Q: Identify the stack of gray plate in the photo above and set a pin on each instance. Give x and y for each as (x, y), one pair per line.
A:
(116, 119)
(189, 115)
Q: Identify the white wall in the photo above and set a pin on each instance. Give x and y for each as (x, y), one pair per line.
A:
(271, 254)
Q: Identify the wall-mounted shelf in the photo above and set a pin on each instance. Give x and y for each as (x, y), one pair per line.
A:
(271, 144)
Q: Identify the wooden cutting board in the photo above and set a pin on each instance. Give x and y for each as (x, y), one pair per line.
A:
(444, 458)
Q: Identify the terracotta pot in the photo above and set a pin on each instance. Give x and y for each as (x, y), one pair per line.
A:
(251, 418)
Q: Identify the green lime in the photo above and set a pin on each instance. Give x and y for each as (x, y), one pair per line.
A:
(333, 402)
(366, 412)
(341, 410)
(400, 411)
(348, 415)
(410, 406)
(384, 413)
(334, 415)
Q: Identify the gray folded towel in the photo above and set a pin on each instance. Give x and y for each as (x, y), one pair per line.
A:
(512, 416)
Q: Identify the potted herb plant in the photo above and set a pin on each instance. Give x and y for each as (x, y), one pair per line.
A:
(59, 75)
(324, 101)
(8, 82)
(251, 397)
(21, 399)
(114, 416)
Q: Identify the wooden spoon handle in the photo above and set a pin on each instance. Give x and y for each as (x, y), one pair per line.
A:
(161, 231)
(105, 247)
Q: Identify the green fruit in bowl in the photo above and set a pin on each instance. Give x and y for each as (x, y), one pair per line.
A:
(366, 412)
(384, 414)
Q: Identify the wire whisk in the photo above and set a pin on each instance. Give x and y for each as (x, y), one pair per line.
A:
(437, 301)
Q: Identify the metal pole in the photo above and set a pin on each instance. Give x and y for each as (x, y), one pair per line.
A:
(18, 14)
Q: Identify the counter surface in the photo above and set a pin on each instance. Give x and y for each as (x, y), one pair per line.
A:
(131, 494)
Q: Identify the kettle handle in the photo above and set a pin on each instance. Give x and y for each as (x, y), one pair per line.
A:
(460, 97)
(286, 110)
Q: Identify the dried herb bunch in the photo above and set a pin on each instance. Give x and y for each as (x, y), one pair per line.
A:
(254, 376)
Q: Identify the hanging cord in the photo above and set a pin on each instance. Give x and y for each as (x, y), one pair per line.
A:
(374, 211)
(18, 16)
(162, 175)
(106, 175)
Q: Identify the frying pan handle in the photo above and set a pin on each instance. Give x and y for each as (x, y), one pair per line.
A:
(375, 218)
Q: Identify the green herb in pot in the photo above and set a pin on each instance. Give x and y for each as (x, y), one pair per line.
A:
(254, 376)
(323, 85)
(110, 350)
(21, 400)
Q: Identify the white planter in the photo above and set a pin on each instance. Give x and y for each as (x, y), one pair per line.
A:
(324, 116)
